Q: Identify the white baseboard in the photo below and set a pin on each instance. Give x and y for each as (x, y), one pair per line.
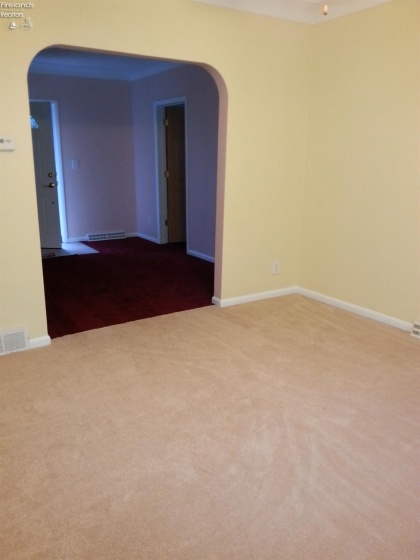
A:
(39, 342)
(200, 256)
(253, 297)
(146, 237)
(358, 310)
(75, 239)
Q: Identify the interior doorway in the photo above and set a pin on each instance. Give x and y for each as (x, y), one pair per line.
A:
(48, 173)
(201, 164)
(171, 169)
(175, 173)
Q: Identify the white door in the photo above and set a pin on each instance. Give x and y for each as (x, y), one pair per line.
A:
(45, 175)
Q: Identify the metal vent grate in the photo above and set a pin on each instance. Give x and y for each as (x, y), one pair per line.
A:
(416, 329)
(13, 341)
(105, 236)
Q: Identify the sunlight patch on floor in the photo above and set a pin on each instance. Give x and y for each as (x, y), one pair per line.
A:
(68, 249)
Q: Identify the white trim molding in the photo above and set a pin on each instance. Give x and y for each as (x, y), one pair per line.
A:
(39, 342)
(352, 308)
(357, 309)
(302, 11)
(201, 256)
(160, 164)
(146, 237)
(253, 297)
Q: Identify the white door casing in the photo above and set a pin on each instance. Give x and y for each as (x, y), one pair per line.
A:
(45, 175)
(160, 165)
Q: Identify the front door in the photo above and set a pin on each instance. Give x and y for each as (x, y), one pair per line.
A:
(45, 174)
(175, 172)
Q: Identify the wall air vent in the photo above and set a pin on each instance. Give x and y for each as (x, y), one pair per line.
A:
(14, 341)
(416, 329)
(105, 236)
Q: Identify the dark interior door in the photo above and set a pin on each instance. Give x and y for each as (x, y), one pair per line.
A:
(175, 172)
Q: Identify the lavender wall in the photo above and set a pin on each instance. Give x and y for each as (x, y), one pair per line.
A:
(109, 127)
(95, 129)
(200, 90)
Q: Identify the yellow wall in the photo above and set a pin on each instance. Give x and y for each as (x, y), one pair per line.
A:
(264, 63)
(269, 67)
(361, 241)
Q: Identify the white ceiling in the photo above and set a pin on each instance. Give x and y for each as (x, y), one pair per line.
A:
(90, 64)
(303, 11)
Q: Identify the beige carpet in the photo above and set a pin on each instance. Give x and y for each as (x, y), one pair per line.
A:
(276, 430)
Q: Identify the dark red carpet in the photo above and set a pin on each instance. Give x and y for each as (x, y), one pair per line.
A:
(128, 279)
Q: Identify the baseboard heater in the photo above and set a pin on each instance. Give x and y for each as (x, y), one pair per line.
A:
(106, 236)
(14, 341)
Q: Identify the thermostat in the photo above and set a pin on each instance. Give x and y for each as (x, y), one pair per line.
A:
(7, 144)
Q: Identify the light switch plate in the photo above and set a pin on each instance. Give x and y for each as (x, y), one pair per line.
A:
(7, 143)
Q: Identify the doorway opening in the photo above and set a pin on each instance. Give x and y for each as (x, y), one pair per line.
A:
(78, 206)
(171, 130)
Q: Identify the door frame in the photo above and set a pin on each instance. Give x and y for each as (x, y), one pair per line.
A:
(160, 166)
(58, 165)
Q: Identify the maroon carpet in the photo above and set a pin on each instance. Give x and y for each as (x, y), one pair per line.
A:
(128, 279)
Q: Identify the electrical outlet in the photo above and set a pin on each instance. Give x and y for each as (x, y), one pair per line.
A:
(275, 267)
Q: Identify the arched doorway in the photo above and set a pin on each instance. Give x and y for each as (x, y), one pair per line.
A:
(52, 65)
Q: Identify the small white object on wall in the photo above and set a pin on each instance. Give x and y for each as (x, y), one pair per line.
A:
(416, 329)
(7, 144)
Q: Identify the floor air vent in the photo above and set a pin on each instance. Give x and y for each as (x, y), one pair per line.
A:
(416, 329)
(13, 341)
(105, 236)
